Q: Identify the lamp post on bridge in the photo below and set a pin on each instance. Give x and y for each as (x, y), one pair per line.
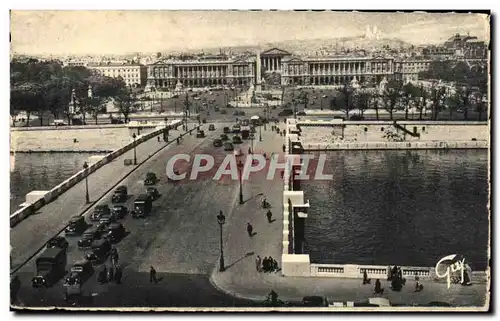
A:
(221, 219)
(135, 154)
(240, 172)
(87, 198)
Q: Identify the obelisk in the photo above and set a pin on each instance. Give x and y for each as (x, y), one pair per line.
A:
(257, 72)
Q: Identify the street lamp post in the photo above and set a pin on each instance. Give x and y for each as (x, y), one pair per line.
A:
(221, 219)
(240, 167)
(260, 133)
(87, 198)
(135, 155)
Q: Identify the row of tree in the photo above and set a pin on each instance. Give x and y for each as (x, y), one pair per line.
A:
(41, 87)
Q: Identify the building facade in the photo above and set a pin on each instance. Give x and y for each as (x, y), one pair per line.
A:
(201, 73)
(408, 70)
(134, 75)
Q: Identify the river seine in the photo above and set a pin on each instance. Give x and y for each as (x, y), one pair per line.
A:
(399, 207)
(41, 171)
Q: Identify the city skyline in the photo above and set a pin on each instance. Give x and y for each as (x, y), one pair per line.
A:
(104, 32)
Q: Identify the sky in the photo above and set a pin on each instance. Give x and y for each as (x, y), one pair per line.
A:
(117, 32)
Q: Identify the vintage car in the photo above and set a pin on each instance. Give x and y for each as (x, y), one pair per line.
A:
(50, 267)
(107, 219)
(200, 134)
(211, 127)
(76, 226)
(92, 234)
(99, 211)
(237, 140)
(100, 251)
(226, 130)
(236, 129)
(228, 147)
(142, 206)
(217, 143)
(224, 137)
(119, 195)
(150, 179)
(153, 193)
(59, 242)
(119, 211)
(115, 232)
(80, 272)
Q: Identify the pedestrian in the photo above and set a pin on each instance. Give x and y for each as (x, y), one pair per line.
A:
(152, 275)
(249, 150)
(275, 265)
(284, 148)
(158, 139)
(366, 280)
(269, 216)
(265, 264)
(118, 275)
(250, 229)
(378, 287)
(258, 263)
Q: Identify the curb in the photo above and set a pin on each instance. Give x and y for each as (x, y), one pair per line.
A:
(85, 210)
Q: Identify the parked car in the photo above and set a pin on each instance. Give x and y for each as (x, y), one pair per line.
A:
(150, 179)
(226, 130)
(286, 112)
(224, 137)
(217, 143)
(228, 147)
(100, 251)
(200, 134)
(76, 226)
(237, 140)
(153, 193)
(119, 211)
(301, 113)
(59, 242)
(211, 127)
(107, 219)
(99, 211)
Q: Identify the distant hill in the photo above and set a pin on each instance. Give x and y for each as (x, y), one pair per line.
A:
(311, 45)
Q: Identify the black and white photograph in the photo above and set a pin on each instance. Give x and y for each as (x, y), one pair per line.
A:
(250, 160)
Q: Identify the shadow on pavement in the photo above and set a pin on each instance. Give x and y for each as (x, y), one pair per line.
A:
(240, 259)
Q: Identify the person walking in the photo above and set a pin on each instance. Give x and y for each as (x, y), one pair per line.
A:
(118, 275)
(249, 229)
(258, 263)
(284, 148)
(152, 275)
(269, 215)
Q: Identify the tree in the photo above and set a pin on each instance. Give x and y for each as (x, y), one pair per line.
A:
(125, 103)
(346, 99)
(437, 97)
(392, 96)
(464, 95)
(409, 92)
(363, 101)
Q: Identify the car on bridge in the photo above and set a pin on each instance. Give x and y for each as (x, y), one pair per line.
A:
(90, 235)
(100, 251)
(59, 242)
(120, 195)
(119, 211)
(200, 134)
(237, 140)
(224, 137)
(99, 212)
(153, 193)
(211, 127)
(115, 232)
(228, 146)
(50, 267)
(236, 129)
(217, 143)
(226, 130)
(142, 206)
(76, 226)
(150, 179)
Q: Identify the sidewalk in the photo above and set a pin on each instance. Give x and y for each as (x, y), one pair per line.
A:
(30, 234)
(242, 280)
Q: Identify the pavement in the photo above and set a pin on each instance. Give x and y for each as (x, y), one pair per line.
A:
(241, 279)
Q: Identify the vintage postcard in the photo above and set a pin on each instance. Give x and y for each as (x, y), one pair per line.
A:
(250, 160)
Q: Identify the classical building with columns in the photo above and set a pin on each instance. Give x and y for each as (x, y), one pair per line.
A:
(281, 68)
(201, 73)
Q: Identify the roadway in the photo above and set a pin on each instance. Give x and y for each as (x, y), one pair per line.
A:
(180, 240)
